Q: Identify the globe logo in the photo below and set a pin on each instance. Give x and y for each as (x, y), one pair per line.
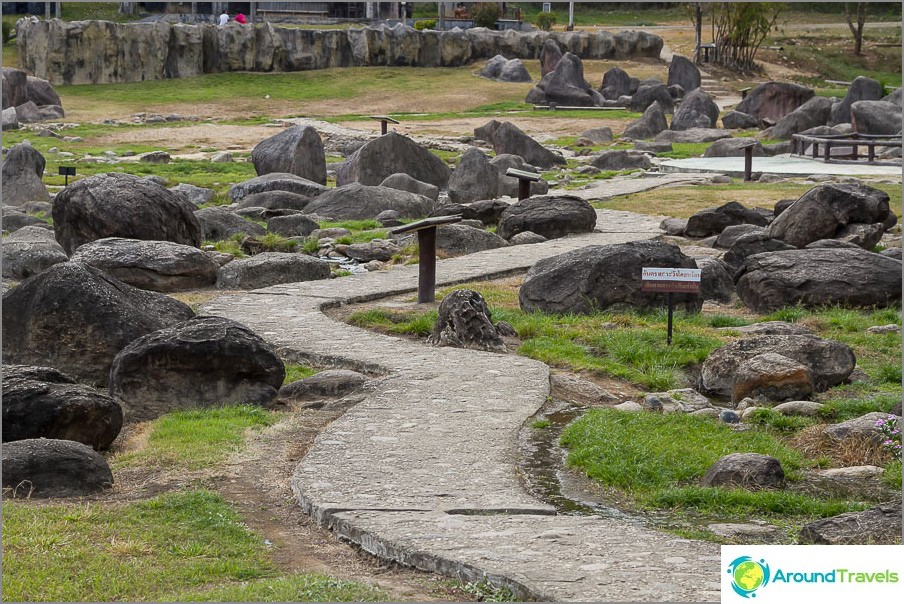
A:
(748, 575)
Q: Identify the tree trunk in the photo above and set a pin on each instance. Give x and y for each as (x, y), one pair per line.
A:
(857, 31)
(698, 30)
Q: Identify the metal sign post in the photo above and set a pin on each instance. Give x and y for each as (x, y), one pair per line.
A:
(67, 171)
(524, 180)
(426, 241)
(670, 281)
(383, 119)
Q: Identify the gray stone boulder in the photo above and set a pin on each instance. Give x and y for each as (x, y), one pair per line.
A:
(197, 196)
(508, 185)
(653, 147)
(376, 249)
(48, 468)
(509, 139)
(275, 200)
(551, 217)
(861, 89)
(206, 361)
(41, 92)
(692, 135)
(865, 236)
(488, 131)
(595, 136)
(29, 251)
(621, 160)
(819, 277)
(390, 154)
(526, 238)
(271, 268)
(474, 178)
(674, 226)
(730, 234)
(734, 147)
(566, 85)
(294, 225)
(493, 67)
(277, 181)
(122, 205)
(713, 221)
(876, 117)
(10, 120)
(218, 224)
(76, 318)
(40, 402)
(684, 73)
(774, 100)
(487, 211)
(715, 282)
(735, 120)
(649, 94)
(356, 201)
(823, 210)
(464, 321)
(649, 125)
(514, 71)
(403, 182)
(29, 113)
(799, 408)
(15, 87)
(748, 245)
(603, 277)
(752, 471)
(332, 383)
(829, 362)
(295, 150)
(876, 526)
(772, 328)
(550, 55)
(160, 266)
(697, 110)
(459, 240)
(815, 112)
(773, 376)
(616, 83)
(23, 168)
(859, 428)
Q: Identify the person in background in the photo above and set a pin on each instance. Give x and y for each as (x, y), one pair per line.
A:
(224, 18)
(240, 18)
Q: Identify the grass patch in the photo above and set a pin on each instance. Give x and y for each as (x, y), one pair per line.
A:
(302, 587)
(409, 323)
(726, 502)
(196, 439)
(298, 372)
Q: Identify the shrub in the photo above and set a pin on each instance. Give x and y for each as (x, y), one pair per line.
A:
(545, 21)
(425, 24)
(7, 31)
(485, 14)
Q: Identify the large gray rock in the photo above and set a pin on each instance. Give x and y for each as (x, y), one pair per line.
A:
(861, 89)
(829, 362)
(565, 85)
(603, 277)
(46, 468)
(823, 210)
(735, 120)
(774, 100)
(748, 245)
(122, 205)
(459, 240)
(275, 200)
(509, 185)
(876, 117)
(23, 168)
(551, 217)
(752, 471)
(332, 383)
(160, 266)
(616, 83)
(277, 181)
(815, 112)
(649, 125)
(715, 281)
(509, 139)
(649, 94)
(271, 268)
(293, 225)
(375, 249)
(713, 221)
(359, 202)
(403, 182)
(218, 224)
(29, 251)
(390, 154)
(697, 110)
(876, 526)
(40, 402)
(861, 235)
(730, 234)
(514, 71)
(206, 361)
(734, 147)
(10, 119)
(15, 87)
(474, 178)
(41, 92)
(550, 55)
(76, 318)
(464, 321)
(819, 277)
(773, 376)
(493, 67)
(684, 73)
(621, 160)
(296, 150)
(195, 195)
(693, 135)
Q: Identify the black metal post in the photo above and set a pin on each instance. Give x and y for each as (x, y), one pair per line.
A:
(671, 308)
(426, 279)
(523, 189)
(383, 127)
(748, 163)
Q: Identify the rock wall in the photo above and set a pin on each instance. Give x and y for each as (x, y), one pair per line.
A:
(94, 52)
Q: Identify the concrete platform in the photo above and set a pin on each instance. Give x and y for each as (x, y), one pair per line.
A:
(782, 165)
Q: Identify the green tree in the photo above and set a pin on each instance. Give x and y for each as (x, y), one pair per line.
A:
(485, 14)
(741, 28)
(856, 11)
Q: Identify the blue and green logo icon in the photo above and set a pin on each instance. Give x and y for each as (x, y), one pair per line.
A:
(748, 575)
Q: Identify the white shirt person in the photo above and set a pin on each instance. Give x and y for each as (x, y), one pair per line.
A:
(224, 18)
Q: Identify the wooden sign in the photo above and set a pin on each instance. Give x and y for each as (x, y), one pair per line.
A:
(671, 280)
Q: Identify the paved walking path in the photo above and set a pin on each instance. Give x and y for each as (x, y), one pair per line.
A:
(424, 471)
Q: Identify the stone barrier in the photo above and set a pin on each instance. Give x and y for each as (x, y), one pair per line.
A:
(101, 52)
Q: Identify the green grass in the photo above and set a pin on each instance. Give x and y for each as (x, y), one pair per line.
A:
(363, 237)
(181, 546)
(196, 439)
(352, 225)
(733, 502)
(418, 324)
(298, 372)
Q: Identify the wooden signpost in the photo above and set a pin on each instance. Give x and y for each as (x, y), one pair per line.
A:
(384, 120)
(670, 281)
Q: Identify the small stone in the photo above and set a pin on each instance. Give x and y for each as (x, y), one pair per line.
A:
(890, 328)
(729, 417)
(629, 407)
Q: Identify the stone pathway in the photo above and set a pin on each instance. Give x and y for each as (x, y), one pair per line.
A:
(424, 471)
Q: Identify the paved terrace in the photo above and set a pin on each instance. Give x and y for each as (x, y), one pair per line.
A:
(424, 471)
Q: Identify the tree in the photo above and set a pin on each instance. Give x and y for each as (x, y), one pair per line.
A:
(860, 9)
(741, 28)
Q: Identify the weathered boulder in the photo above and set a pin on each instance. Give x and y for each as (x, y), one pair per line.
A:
(861, 89)
(508, 185)
(748, 245)
(621, 160)
(403, 182)
(271, 268)
(712, 221)
(815, 112)
(488, 131)
(772, 328)
(218, 224)
(40, 402)
(674, 226)
(697, 110)
(774, 100)
(735, 120)
(819, 277)
(195, 195)
(23, 168)
(693, 135)
(275, 200)
(514, 70)
(603, 277)
(772, 375)
(294, 225)
(876, 117)
(276, 181)
(861, 235)
(596, 136)
(474, 178)
(464, 321)
(45, 468)
(29, 251)
(734, 147)
(356, 201)
(509, 139)
(41, 92)
(565, 85)
(160, 266)
(649, 125)
(823, 210)
(493, 67)
(730, 234)
(649, 94)
(487, 211)
(551, 217)
(10, 119)
(752, 471)
(122, 205)
(296, 150)
(550, 55)
(332, 383)
(390, 154)
(375, 249)
(616, 83)
(205, 361)
(15, 87)
(876, 526)
(829, 362)
(459, 240)
(684, 73)
(715, 281)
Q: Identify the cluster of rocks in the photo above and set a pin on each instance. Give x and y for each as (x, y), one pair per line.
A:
(501, 69)
(28, 99)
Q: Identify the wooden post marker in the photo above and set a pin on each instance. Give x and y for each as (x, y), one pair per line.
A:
(67, 171)
(670, 280)
(383, 119)
(748, 161)
(524, 180)
(426, 241)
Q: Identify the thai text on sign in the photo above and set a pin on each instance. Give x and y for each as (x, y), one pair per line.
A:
(676, 280)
